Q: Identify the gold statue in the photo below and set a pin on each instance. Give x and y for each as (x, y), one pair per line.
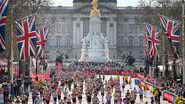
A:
(95, 11)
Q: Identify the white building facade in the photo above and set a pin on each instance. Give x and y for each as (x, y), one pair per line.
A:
(122, 27)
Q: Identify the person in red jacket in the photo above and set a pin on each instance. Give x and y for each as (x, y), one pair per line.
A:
(48, 98)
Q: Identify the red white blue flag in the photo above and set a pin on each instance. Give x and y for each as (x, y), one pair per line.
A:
(172, 31)
(27, 37)
(42, 38)
(152, 41)
(3, 17)
(171, 28)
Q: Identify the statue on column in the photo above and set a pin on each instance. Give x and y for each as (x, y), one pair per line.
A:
(95, 11)
(95, 46)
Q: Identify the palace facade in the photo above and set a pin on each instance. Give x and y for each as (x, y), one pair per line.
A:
(122, 26)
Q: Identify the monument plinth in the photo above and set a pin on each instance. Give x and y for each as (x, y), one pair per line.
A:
(95, 46)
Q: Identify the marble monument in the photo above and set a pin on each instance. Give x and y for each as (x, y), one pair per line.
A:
(94, 45)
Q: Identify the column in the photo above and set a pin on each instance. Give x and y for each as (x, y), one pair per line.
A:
(77, 32)
(107, 32)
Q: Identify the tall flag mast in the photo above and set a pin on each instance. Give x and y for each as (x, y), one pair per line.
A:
(183, 35)
(152, 41)
(11, 48)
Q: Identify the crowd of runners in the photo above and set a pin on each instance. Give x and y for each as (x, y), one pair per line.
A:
(71, 87)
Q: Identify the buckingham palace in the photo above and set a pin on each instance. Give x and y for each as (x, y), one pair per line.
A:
(121, 26)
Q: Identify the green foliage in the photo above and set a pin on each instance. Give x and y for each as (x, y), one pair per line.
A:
(59, 59)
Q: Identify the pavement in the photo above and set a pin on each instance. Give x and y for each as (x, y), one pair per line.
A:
(127, 87)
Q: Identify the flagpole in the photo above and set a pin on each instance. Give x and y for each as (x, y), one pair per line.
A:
(183, 41)
(11, 53)
(12, 33)
(163, 58)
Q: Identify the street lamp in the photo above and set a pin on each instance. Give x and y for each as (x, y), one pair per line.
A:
(183, 41)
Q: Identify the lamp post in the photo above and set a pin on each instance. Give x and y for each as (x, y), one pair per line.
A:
(183, 41)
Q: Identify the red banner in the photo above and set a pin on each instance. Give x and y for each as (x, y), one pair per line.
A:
(42, 77)
(169, 97)
(59, 66)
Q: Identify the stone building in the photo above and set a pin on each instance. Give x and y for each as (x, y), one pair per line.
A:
(122, 26)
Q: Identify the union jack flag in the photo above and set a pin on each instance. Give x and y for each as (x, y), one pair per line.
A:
(171, 28)
(172, 32)
(152, 41)
(3, 12)
(27, 37)
(42, 38)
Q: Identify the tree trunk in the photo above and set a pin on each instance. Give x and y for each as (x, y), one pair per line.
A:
(156, 74)
(174, 69)
(166, 65)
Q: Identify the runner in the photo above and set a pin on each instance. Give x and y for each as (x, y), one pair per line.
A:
(102, 91)
(132, 97)
(65, 95)
(74, 96)
(108, 98)
(79, 93)
(141, 93)
(145, 90)
(59, 94)
(95, 99)
(123, 85)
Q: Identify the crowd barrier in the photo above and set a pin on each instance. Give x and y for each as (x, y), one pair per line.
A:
(42, 76)
(170, 97)
(124, 73)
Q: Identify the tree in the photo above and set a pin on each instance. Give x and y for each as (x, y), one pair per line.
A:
(130, 60)
(17, 10)
(59, 59)
(170, 8)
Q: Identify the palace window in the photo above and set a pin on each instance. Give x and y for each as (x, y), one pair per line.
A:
(86, 26)
(140, 41)
(131, 40)
(68, 27)
(48, 43)
(52, 42)
(68, 41)
(78, 25)
(103, 26)
(121, 42)
(58, 38)
(111, 25)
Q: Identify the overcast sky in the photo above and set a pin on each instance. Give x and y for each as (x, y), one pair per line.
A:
(120, 2)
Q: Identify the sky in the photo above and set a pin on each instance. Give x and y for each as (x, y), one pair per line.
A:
(121, 3)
